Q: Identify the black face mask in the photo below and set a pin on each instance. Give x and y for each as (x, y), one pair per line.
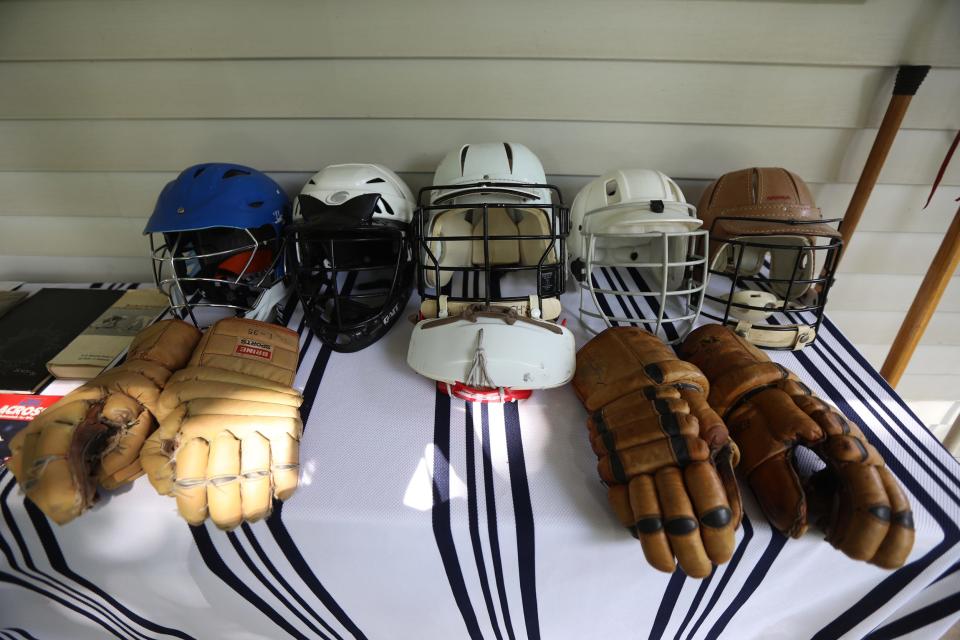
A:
(352, 272)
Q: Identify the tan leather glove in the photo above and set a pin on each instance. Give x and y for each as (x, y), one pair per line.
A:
(855, 499)
(229, 435)
(664, 454)
(93, 434)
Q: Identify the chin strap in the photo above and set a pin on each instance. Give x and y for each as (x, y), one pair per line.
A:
(793, 337)
(762, 304)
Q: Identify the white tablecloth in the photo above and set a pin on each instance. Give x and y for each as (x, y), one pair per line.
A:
(419, 516)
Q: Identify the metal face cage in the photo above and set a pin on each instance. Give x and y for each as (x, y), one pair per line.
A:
(747, 290)
(353, 283)
(664, 293)
(485, 242)
(220, 267)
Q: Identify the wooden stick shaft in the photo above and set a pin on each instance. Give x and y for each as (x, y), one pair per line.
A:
(871, 170)
(924, 304)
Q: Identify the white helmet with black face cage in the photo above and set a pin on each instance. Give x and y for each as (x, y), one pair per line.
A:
(633, 251)
(350, 253)
(491, 264)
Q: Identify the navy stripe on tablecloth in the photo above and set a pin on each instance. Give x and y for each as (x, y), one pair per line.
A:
(125, 619)
(278, 530)
(84, 610)
(211, 558)
(695, 603)
(490, 499)
(677, 580)
(59, 563)
(275, 522)
(667, 602)
(523, 513)
(474, 520)
(245, 559)
(271, 567)
(440, 514)
(19, 633)
(918, 619)
(754, 578)
(898, 580)
(42, 577)
(215, 562)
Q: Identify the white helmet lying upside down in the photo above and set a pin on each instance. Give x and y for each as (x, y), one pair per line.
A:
(491, 267)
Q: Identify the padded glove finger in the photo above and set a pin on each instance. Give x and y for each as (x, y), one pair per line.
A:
(898, 542)
(680, 523)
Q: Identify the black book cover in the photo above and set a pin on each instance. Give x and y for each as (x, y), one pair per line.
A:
(40, 327)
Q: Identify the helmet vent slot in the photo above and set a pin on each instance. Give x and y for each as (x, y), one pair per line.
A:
(509, 150)
(196, 174)
(232, 173)
(386, 205)
(256, 205)
(463, 157)
(374, 180)
(612, 191)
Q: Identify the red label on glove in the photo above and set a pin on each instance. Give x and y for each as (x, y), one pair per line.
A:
(248, 347)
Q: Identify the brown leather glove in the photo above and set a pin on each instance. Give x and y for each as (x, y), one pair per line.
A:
(855, 499)
(663, 452)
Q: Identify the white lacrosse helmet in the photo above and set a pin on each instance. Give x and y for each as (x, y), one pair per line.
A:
(478, 171)
(633, 251)
(337, 183)
(350, 253)
(491, 266)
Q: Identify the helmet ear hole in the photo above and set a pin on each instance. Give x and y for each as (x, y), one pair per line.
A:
(613, 193)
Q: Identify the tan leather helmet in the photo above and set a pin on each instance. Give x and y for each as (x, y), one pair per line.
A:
(762, 212)
(761, 201)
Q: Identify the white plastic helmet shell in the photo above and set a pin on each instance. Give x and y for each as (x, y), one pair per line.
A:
(338, 183)
(619, 202)
(632, 235)
(507, 162)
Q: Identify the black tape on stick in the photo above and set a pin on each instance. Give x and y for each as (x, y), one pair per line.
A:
(909, 78)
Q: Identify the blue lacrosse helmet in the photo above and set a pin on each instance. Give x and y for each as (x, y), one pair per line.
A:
(216, 236)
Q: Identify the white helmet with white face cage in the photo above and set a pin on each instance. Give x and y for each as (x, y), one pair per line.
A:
(636, 253)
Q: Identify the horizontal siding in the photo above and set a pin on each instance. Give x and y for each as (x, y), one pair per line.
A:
(876, 33)
(891, 207)
(86, 269)
(704, 93)
(868, 292)
(572, 148)
(104, 101)
(880, 327)
(927, 359)
(917, 387)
